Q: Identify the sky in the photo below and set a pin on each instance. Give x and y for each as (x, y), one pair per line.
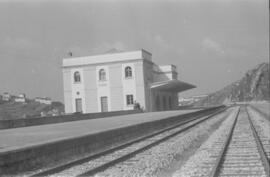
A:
(212, 42)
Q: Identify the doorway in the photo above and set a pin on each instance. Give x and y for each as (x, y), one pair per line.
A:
(78, 103)
(104, 104)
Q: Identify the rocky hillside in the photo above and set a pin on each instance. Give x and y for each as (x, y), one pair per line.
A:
(254, 86)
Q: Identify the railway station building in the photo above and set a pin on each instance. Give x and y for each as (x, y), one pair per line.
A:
(115, 81)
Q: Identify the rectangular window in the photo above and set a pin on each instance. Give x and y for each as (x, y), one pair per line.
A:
(78, 103)
(129, 99)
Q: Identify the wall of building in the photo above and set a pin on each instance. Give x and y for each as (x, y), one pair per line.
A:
(107, 58)
(90, 87)
(129, 84)
(67, 90)
(164, 105)
(77, 89)
(140, 84)
(154, 73)
(148, 80)
(115, 87)
(103, 87)
(164, 73)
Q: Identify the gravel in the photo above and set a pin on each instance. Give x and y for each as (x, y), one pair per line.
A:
(150, 162)
(263, 107)
(200, 164)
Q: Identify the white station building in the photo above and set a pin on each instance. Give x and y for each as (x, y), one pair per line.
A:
(115, 81)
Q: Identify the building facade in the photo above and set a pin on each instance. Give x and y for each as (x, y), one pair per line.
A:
(113, 82)
(45, 100)
(191, 100)
(6, 96)
(21, 98)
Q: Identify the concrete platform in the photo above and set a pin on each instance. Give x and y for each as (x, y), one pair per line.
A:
(18, 138)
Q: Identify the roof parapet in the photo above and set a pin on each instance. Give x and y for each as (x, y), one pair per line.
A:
(105, 58)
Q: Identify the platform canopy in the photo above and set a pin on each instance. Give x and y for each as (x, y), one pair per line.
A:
(171, 86)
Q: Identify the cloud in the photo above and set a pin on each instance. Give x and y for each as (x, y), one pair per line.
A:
(165, 45)
(101, 49)
(19, 43)
(209, 44)
(160, 41)
(106, 46)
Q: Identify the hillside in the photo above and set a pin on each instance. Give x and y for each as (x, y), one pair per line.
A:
(254, 86)
(13, 110)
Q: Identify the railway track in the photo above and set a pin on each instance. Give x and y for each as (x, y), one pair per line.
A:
(262, 128)
(243, 152)
(94, 164)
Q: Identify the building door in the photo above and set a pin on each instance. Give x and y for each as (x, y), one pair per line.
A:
(164, 103)
(157, 103)
(104, 104)
(170, 102)
(78, 103)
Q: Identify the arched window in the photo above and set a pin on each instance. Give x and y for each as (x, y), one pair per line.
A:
(102, 75)
(77, 77)
(128, 71)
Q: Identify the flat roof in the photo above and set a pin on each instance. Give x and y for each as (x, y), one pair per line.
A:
(172, 85)
(108, 57)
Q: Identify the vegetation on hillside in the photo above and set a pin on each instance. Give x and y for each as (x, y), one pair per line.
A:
(30, 109)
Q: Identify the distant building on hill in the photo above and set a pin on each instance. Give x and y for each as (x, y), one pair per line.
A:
(199, 97)
(6, 96)
(116, 81)
(191, 100)
(45, 100)
(21, 98)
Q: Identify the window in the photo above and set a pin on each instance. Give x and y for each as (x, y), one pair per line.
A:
(129, 99)
(77, 77)
(102, 75)
(128, 72)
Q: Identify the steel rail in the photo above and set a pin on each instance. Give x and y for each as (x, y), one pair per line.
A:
(215, 170)
(92, 157)
(262, 153)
